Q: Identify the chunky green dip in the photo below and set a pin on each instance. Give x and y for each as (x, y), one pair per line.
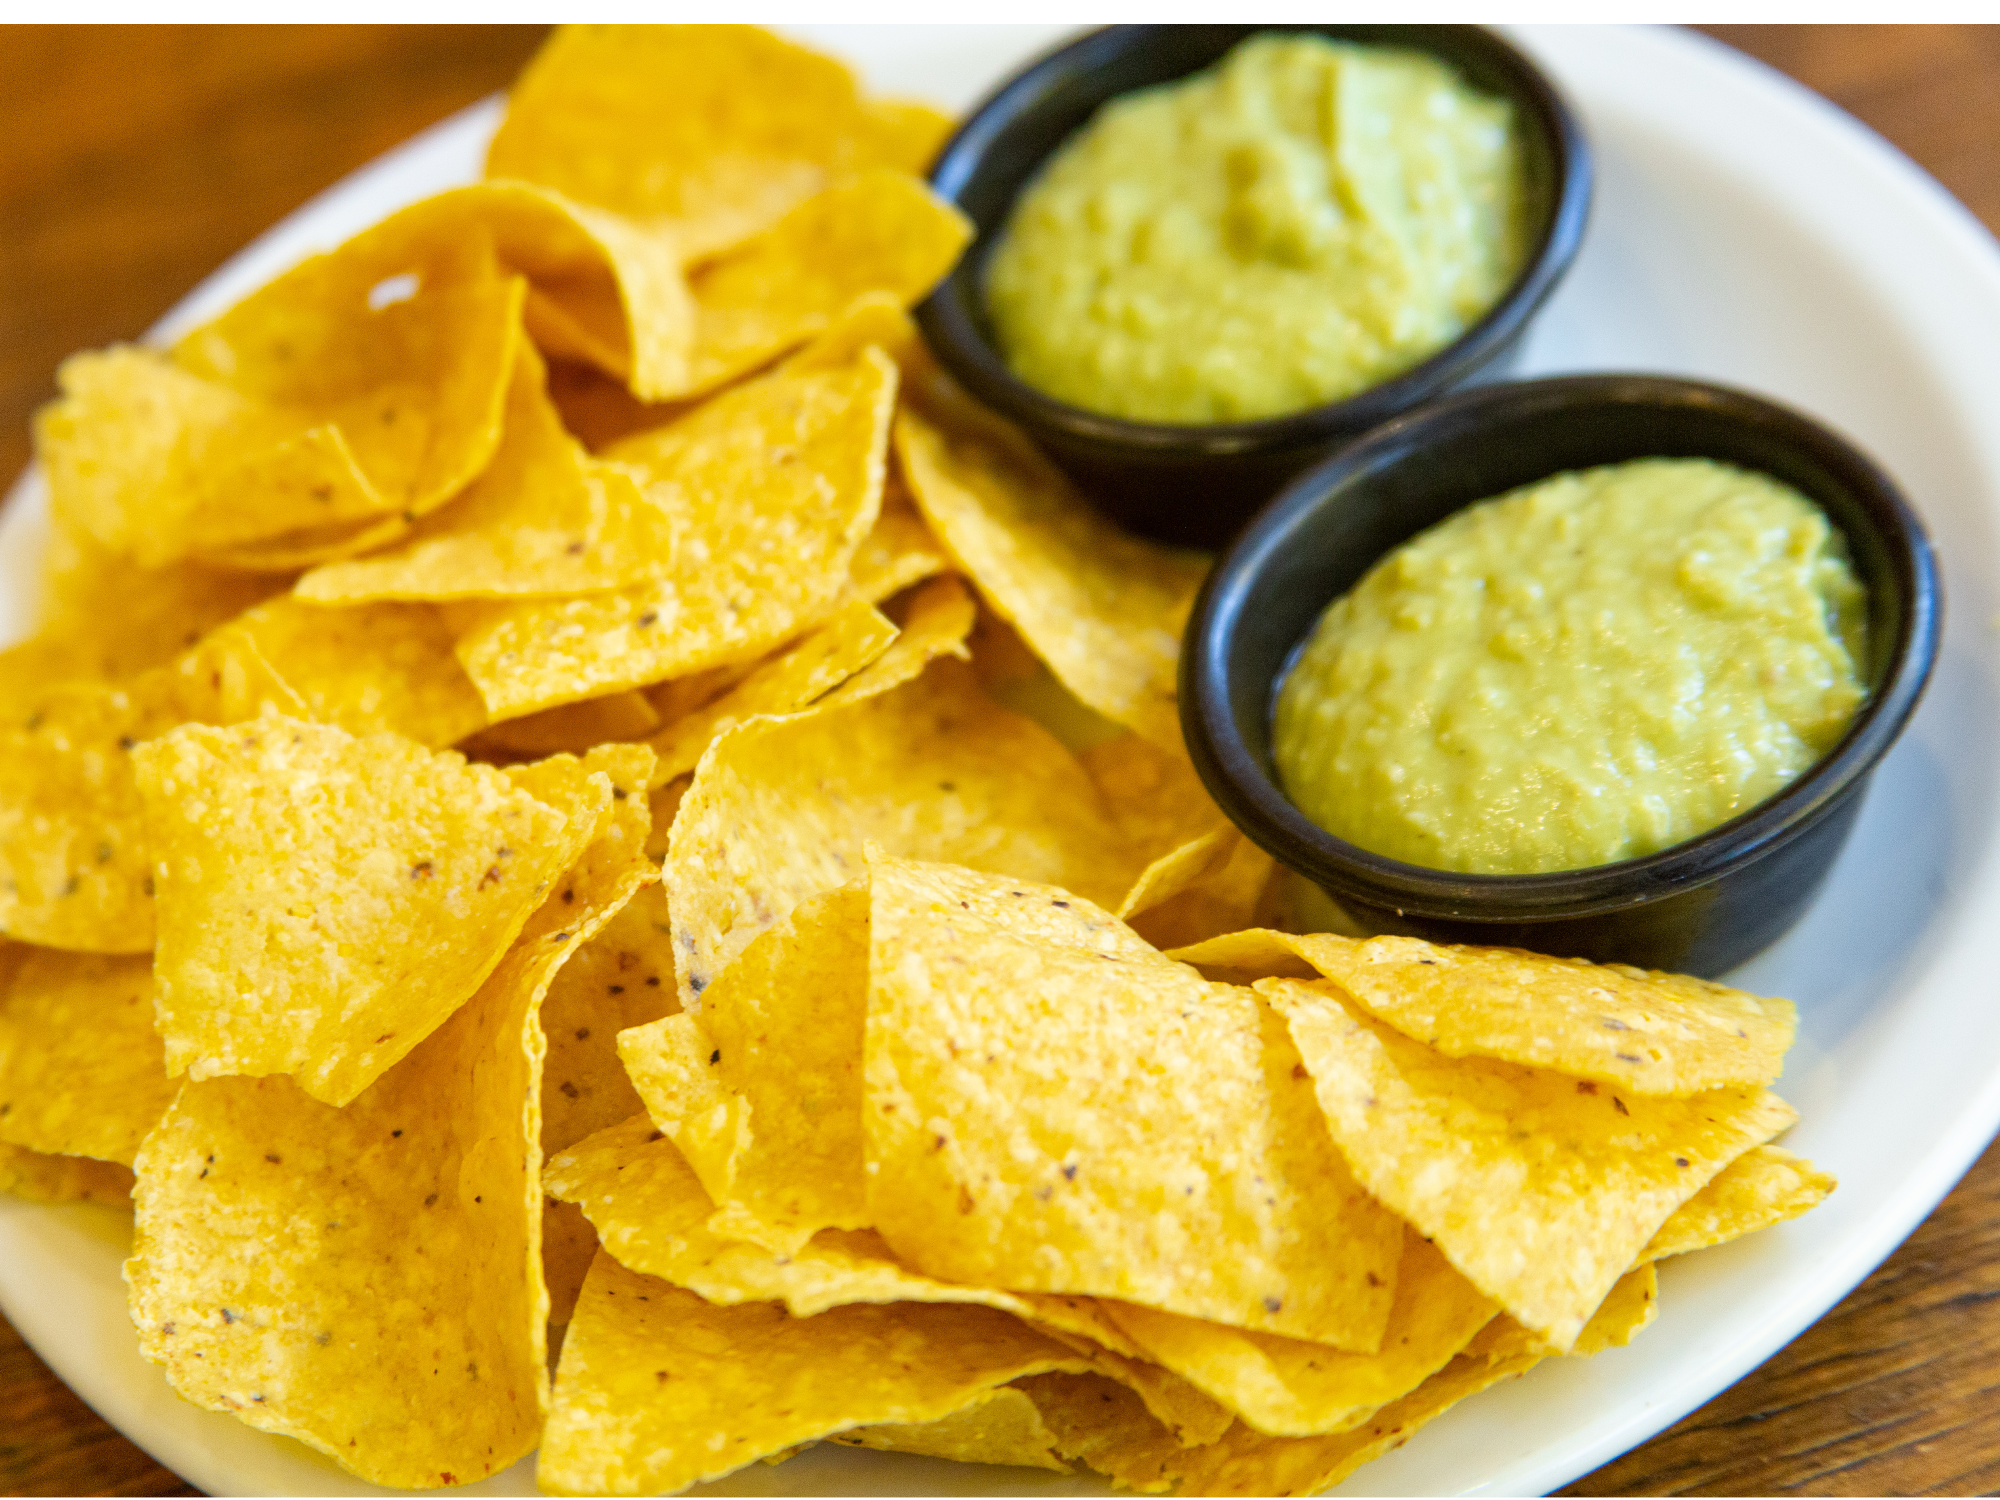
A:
(1305, 220)
(1583, 670)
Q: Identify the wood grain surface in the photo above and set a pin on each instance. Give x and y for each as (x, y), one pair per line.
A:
(132, 162)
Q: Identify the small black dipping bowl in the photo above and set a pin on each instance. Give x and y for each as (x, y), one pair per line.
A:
(1700, 907)
(1198, 484)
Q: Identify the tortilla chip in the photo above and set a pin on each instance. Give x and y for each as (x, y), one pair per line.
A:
(73, 866)
(714, 131)
(936, 620)
(933, 769)
(369, 1279)
(898, 551)
(1103, 609)
(63, 1179)
(877, 318)
(658, 1389)
(82, 1071)
(1291, 1388)
(544, 518)
(367, 669)
(1153, 792)
(101, 616)
(1100, 1423)
(1766, 1185)
(780, 684)
(622, 978)
(1645, 1032)
(654, 1216)
(773, 486)
(1220, 900)
(1540, 1188)
(572, 728)
(1001, 1426)
(325, 901)
(877, 231)
(311, 409)
(908, 134)
(1629, 1306)
(778, 1147)
(1017, 1134)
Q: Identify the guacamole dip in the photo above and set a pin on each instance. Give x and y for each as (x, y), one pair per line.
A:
(1306, 219)
(1587, 669)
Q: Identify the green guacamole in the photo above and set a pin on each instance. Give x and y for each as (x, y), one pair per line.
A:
(1305, 220)
(1587, 669)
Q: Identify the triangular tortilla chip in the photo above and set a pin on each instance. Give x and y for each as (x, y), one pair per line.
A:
(368, 1279)
(933, 769)
(808, 668)
(658, 1389)
(772, 486)
(365, 668)
(1104, 609)
(1645, 1032)
(326, 901)
(1291, 1388)
(1018, 1134)
(545, 518)
(1542, 1189)
(1766, 1185)
(82, 1071)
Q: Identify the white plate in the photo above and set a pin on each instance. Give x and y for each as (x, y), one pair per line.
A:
(1745, 231)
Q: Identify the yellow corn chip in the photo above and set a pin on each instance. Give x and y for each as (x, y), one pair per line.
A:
(777, 1147)
(772, 485)
(878, 231)
(936, 620)
(1628, 1307)
(655, 1218)
(571, 728)
(603, 287)
(1766, 1185)
(101, 616)
(1224, 900)
(367, 668)
(1001, 1426)
(907, 133)
(325, 901)
(1663, 1035)
(898, 551)
(622, 978)
(82, 1071)
(310, 408)
(544, 518)
(1153, 792)
(804, 671)
(291, 1258)
(877, 318)
(658, 1389)
(63, 1179)
(1018, 1136)
(782, 808)
(713, 130)
(1540, 1188)
(1103, 609)
(1291, 1388)
(73, 866)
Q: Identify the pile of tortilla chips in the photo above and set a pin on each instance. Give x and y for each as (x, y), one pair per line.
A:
(570, 788)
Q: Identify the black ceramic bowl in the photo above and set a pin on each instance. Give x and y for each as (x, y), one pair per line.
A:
(1199, 484)
(1702, 906)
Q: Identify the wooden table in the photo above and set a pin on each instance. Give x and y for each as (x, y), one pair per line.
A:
(132, 162)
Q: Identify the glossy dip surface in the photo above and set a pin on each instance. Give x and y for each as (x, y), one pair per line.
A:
(1594, 667)
(1302, 221)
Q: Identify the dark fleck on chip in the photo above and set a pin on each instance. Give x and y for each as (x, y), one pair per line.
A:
(422, 870)
(1619, 1105)
(228, 1316)
(715, 1057)
(1272, 1304)
(1680, 1161)
(1069, 1170)
(650, 617)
